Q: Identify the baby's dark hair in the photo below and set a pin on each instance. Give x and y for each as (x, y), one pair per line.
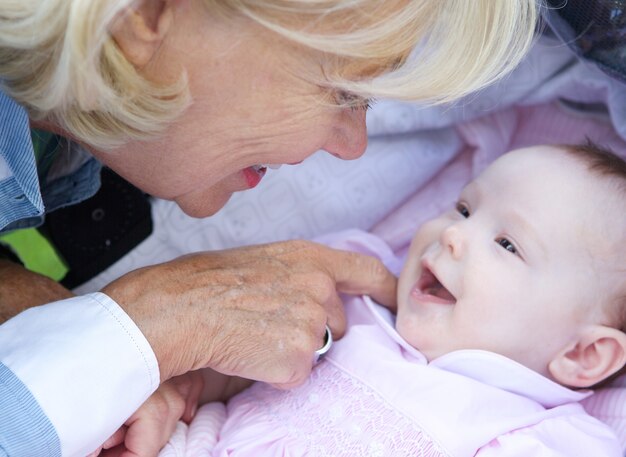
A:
(600, 160)
(605, 163)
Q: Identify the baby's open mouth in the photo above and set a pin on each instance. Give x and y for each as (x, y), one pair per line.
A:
(428, 284)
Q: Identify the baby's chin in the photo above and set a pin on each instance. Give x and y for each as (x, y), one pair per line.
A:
(407, 331)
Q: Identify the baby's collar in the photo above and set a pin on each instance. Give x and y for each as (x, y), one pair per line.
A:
(484, 366)
(387, 320)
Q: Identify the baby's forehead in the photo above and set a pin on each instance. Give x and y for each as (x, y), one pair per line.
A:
(552, 160)
(553, 171)
(535, 173)
(545, 184)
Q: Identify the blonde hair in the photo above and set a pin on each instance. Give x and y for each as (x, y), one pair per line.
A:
(57, 57)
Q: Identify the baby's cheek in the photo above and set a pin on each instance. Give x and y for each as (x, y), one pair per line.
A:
(430, 231)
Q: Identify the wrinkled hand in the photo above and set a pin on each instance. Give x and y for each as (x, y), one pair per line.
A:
(257, 312)
(146, 432)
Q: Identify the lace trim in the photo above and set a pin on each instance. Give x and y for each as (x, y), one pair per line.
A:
(334, 414)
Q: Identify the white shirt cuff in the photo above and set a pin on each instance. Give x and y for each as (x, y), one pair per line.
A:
(86, 363)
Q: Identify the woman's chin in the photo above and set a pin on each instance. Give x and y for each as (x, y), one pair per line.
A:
(203, 207)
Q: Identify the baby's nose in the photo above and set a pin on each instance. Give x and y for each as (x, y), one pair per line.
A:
(452, 240)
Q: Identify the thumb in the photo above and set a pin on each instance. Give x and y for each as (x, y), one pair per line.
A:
(360, 274)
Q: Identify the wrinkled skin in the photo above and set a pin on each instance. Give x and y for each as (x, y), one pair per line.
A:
(256, 99)
(257, 312)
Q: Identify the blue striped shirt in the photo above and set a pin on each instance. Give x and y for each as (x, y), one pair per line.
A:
(24, 427)
(20, 197)
(23, 199)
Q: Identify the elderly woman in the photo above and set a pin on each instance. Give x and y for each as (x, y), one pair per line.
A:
(189, 100)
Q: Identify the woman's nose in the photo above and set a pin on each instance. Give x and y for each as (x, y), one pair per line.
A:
(348, 138)
(452, 239)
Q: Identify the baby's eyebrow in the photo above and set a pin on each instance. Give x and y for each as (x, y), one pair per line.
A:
(527, 229)
(472, 188)
(476, 192)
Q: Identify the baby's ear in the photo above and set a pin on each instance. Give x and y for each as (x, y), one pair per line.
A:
(599, 352)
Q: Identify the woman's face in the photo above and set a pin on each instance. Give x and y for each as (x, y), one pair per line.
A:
(252, 104)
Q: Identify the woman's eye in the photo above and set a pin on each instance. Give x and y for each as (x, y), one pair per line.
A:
(353, 101)
(463, 210)
(506, 244)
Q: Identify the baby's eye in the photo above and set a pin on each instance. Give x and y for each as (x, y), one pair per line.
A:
(463, 210)
(506, 244)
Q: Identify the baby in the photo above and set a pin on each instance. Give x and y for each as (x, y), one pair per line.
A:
(508, 304)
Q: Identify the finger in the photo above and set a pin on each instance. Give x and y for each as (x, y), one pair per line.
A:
(288, 385)
(336, 319)
(116, 451)
(327, 344)
(116, 438)
(146, 437)
(95, 453)
(191, 391)
(153, 424)
(361, 274)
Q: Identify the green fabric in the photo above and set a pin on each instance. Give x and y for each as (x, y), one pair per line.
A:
(33, 249)
(36, 252)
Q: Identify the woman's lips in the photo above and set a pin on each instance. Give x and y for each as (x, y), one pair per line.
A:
(254, 175)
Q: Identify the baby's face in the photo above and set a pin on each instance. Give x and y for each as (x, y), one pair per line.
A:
(522, 263)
